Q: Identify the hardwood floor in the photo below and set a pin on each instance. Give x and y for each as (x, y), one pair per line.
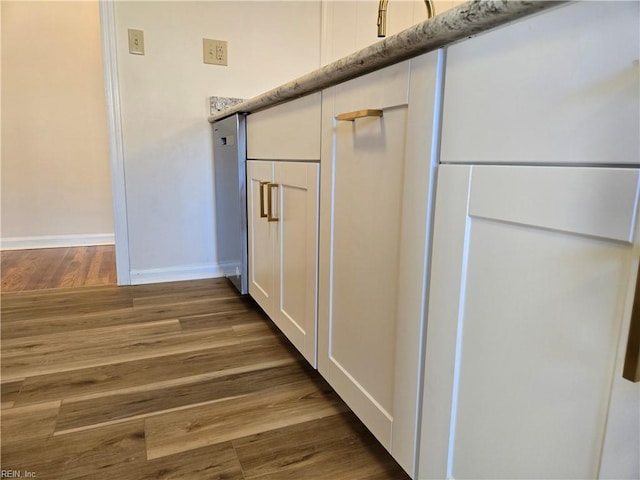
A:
(183, 380)
(38, 269)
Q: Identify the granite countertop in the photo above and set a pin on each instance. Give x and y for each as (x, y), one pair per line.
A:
(464, 21)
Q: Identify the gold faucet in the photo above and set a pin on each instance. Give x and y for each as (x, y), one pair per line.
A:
(382, 15)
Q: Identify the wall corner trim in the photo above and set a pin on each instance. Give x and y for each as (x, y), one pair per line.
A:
(108, 35)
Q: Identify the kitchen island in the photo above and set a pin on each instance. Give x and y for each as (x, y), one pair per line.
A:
(477, 240)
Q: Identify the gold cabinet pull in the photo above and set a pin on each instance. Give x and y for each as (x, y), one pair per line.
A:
(631, 370)
(351, 116)
(270, 216)
(263, 214)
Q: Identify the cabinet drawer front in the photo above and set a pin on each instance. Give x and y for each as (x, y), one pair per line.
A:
(561, 87)
(290, 131)
(381, 89)
(589, 201)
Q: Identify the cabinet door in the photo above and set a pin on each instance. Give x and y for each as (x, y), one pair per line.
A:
(531, 289)
(296, 256)
(262, 235)
(375, 199)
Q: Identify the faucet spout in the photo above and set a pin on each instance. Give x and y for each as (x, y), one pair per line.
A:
(382, 15)
(382, 18)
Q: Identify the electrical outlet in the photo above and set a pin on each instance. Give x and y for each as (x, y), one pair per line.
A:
(220, 53)
(136, 42)
(214, 51)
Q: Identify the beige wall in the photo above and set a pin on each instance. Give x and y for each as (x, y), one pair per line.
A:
(167, 141)
(55, 164)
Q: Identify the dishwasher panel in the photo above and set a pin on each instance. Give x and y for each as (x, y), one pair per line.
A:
(229, 157)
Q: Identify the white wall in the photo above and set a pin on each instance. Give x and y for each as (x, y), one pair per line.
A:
(164, 104)
(56, 186)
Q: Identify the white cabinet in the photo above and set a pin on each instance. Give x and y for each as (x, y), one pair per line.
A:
(289, 131)
(534, 267)
(559, 87)
(375, 202)
(282, 203)
(531, 289)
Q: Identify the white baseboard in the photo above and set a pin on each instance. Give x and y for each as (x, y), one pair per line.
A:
(174, 274)
(53, 241)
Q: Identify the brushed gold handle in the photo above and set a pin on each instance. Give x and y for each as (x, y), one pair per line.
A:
(631, 370)
(270, 216)
(351, 116)
(262, 212)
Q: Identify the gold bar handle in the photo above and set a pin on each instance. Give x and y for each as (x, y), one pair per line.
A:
(351, 116)
(270, 216)
(262, 212)
(631, 370)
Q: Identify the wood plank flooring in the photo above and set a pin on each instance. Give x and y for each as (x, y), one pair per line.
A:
(57, 267)
(183, 380)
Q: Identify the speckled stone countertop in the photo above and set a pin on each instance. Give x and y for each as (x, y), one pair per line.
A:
(218, 105)
(464, 21)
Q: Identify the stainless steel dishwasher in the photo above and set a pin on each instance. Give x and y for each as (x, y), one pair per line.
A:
(229, 159)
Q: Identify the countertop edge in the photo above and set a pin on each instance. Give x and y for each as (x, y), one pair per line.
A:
(466, 20)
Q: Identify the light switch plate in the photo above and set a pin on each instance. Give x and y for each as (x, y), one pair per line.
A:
(214, 51)
(136, 42)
